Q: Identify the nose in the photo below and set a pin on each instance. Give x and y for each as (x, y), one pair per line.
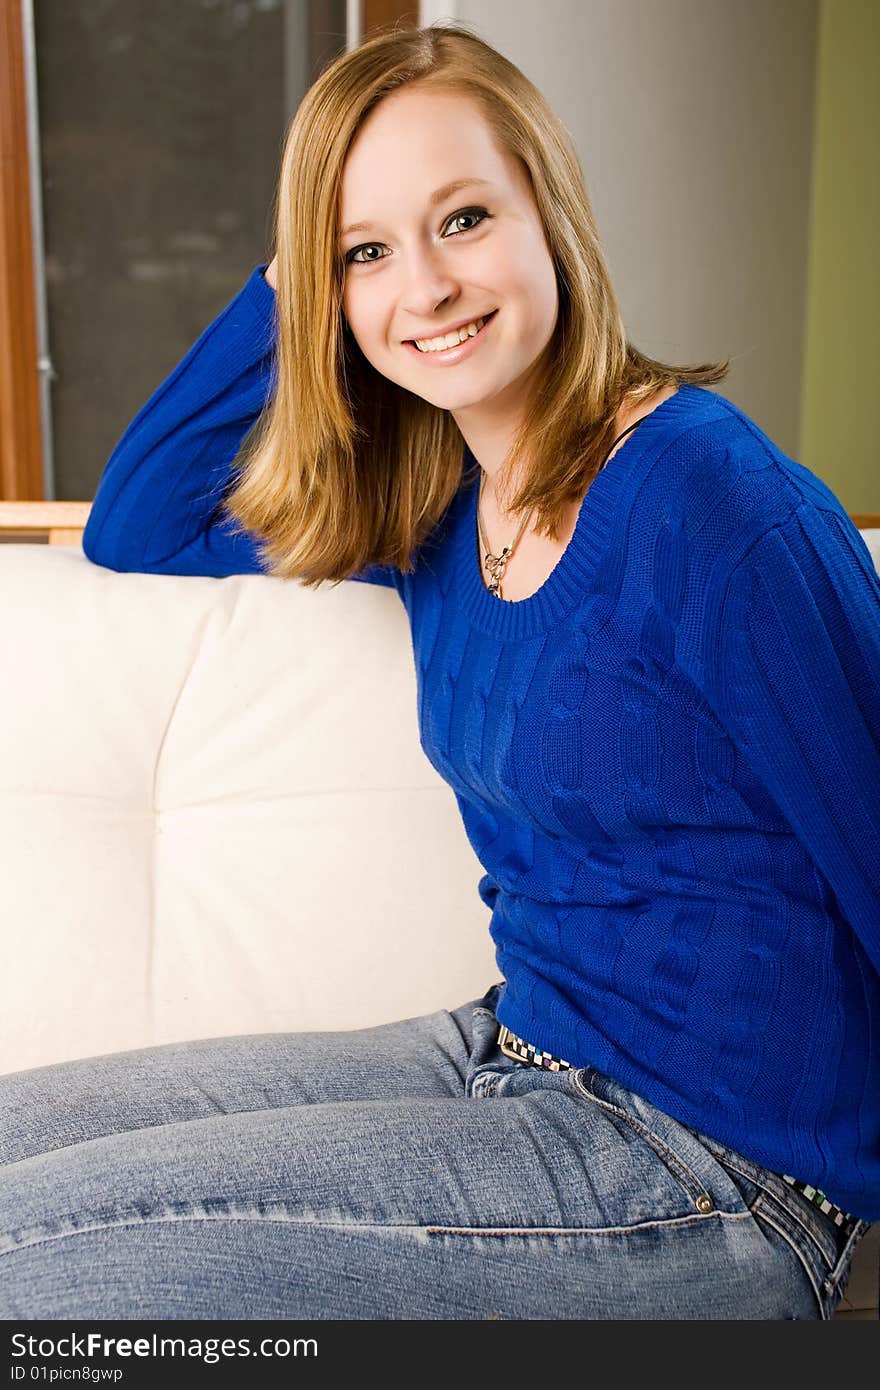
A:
(428, 285)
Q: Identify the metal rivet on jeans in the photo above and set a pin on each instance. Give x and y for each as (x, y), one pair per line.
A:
(705, 1203)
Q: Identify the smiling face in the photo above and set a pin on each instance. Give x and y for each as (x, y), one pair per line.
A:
(421, 266)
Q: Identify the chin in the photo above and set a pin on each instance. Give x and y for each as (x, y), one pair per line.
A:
(454, 401)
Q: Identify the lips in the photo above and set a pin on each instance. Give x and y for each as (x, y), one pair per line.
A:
(464, 323)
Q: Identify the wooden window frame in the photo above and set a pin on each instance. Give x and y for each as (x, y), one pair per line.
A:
(21, 444)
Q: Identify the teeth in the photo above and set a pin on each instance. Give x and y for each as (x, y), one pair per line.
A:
(451, 339)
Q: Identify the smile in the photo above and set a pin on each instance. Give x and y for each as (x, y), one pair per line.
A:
(458, 351)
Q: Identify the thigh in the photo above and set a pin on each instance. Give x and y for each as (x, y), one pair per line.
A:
(519, 1197)
(52, 1107)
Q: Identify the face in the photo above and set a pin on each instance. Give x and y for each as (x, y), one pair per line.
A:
(421, 266)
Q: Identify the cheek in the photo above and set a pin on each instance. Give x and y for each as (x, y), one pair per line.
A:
(526, 272)
(349, 311)
(542, 293)
(354, 328)
(364, 318)
(537, 271)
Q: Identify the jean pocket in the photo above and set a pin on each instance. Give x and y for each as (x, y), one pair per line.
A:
(827, 1261)
(824, 1251)
(773, 1218)
(700, 1178)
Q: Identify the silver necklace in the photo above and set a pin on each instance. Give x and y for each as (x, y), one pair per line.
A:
(497, 564)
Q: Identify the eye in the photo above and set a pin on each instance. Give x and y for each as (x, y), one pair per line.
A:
(351, 257)
(479, 213)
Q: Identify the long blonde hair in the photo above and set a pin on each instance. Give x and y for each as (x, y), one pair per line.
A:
(345, 469)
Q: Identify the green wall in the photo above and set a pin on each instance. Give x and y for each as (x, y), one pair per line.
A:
(840, 419)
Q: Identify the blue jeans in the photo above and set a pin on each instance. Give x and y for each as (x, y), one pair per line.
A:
(404, 1171)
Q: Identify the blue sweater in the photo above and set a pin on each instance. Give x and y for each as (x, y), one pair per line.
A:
(667, 759)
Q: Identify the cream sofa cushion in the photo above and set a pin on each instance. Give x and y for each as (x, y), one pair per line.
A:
(216, 815)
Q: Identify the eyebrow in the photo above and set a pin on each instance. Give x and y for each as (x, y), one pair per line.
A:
(438, 196)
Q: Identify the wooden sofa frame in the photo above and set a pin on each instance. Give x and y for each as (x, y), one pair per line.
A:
(62, 523)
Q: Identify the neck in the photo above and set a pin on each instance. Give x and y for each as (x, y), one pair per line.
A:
(491, 457)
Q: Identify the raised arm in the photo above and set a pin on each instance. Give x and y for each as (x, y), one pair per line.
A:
(157, 503)
(155, 507)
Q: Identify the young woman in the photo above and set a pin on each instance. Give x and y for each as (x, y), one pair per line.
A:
(648, 656)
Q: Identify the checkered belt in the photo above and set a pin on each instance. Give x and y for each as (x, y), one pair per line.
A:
(513, 1046)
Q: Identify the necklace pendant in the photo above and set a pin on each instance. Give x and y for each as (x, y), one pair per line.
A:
(496, 564)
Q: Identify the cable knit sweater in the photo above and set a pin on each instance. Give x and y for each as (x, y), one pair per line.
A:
(667, 759)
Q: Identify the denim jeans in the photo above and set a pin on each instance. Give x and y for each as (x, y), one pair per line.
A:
(405, 1171)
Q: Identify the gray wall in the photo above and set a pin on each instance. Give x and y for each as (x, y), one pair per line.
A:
(693, 120)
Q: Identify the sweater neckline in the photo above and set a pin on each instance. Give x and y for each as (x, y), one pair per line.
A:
(594, 531)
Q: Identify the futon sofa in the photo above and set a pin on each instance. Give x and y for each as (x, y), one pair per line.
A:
(216, 817)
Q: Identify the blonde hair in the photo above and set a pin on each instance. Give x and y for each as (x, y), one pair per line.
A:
(344, 469)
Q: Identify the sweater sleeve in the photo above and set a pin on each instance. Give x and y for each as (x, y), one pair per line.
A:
(157, 502)
(792, 668)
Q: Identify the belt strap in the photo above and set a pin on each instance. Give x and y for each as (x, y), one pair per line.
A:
(513, 1046)
(812, 1194)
